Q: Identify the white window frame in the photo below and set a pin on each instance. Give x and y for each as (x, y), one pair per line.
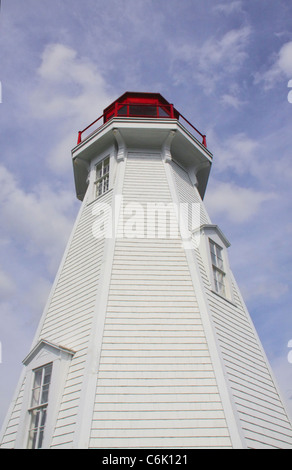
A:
(42, 354)
(102, 180)
(39, 405)
(218, 266)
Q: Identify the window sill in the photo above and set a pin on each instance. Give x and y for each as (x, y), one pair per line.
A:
(99, 197)
(224, 298)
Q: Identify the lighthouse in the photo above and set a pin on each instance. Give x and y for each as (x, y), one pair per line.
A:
(145, 340)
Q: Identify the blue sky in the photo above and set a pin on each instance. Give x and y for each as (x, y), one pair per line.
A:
(224, 65)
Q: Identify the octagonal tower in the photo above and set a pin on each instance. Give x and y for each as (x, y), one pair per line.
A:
(145, 341)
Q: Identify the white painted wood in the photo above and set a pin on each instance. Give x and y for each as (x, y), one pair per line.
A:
(145, 442)
(251, 384)
(137, 326)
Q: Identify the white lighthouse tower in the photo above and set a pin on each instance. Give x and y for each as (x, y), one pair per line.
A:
(145, 341)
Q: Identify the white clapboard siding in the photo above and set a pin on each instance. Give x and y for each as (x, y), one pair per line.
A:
(68, 320)
(9, 436)
(188, 194)
(75, 297)
(156, 385)
(263, 418)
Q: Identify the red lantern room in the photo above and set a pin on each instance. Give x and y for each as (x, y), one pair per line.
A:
(141, 105)
(133, 104)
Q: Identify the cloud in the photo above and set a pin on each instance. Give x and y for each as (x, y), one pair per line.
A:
(239, 154)
(281, 67)
(35, 226)
(37, 220)
(228, 8)
(71, 91)
(7, 286)
(237, 203)
(68, 85)
(228, 52)
(231, 100)
(213, 61)
(285, 59)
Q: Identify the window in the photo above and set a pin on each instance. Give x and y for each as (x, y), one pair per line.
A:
(143, 110)
(213, 248)
(218, 268)
(47, 366)
(102, 177)
(38, 406)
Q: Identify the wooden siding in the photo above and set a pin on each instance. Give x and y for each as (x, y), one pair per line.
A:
(156, 385)
(262, 416)
(8, 440)
(188, 194)
(68, 319)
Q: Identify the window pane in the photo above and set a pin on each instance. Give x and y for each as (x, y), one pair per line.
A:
(163, 112)
(212, 248)
(35, 399)
(42, 427)
(219, 281)
(43, 417)
(216, 255)
(35, 419)
(106, 182)
(220, 263)
(221, 288)
(213, 258)
(220, 277)
(213, 253)
(36, 434)
(38, 378)
(99, 171)
(140, 110)
(122, 111)
(32, 440)
(40, 440)
(47, 374)
(99, 188)
(106, 166)
(45, 394)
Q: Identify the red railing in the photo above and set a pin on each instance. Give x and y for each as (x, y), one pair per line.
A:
(141, 110)
(153, 110)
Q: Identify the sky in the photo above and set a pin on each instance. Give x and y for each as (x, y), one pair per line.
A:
(226, 67)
